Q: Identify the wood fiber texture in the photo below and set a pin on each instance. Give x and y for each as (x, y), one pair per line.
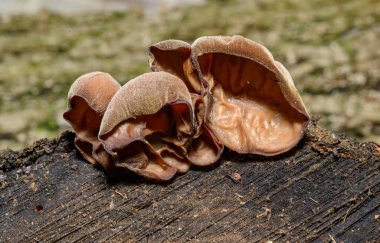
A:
(326, 189)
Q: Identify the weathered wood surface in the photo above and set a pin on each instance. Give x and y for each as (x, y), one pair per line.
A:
(328, 188)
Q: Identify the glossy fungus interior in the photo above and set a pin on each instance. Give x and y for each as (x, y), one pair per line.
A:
(249, 113)
(84, 119)
(177, 62)
(86, 123)
(171, 60)
(205, 149)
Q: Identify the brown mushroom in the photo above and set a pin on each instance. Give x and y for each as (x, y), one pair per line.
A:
(88, 98)
(254, 105)
(148, 124)
(256, 108)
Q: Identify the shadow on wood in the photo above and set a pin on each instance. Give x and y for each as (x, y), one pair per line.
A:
(325, 189)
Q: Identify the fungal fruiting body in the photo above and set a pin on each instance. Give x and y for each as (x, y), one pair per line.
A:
(88, 97)
(149, 121)
(219, 91)
(255, 107)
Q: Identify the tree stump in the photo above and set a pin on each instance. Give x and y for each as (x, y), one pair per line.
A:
(325, 189)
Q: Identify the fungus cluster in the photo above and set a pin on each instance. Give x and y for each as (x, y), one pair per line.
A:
(219, 91)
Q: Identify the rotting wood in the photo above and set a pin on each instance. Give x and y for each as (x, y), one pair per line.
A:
(328, 188)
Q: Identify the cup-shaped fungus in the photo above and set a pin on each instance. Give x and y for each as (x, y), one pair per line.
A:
(254, 107)
(88, 97)
(149, 124)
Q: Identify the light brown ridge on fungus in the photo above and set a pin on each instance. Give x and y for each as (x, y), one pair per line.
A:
(254, 105)
(88, 97)
(205, 148)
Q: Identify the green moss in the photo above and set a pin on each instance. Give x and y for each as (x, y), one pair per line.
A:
(49, 125)
(42, 55)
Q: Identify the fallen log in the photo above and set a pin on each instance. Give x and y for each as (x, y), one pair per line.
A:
(327, 188)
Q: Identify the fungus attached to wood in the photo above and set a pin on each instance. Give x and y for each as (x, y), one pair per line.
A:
(219, 91)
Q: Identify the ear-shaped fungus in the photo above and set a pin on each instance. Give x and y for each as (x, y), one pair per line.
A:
(88, 99)
(149, 124)
(220, 91)
(255, 107)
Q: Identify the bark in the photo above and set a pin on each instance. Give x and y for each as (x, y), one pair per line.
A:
(325, 189)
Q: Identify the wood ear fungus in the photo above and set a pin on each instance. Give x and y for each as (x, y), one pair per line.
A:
(219, 91)
(88, 98)
(153, 135)
(147, 122)
(255, 106)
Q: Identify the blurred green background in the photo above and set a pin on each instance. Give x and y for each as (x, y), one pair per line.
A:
(331, 48)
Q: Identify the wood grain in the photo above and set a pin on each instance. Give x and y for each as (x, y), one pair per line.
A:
(326, 189)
